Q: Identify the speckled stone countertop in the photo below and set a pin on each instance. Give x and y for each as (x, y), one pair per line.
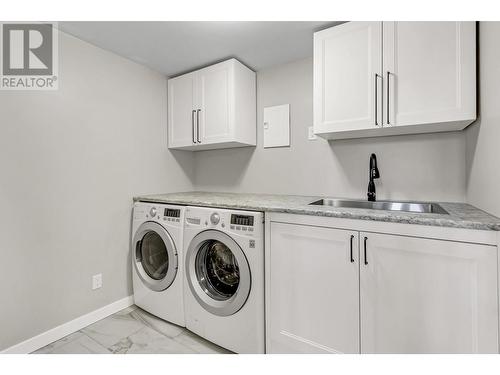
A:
(461, 215)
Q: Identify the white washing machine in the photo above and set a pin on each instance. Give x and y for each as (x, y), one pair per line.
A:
(224, 277)
(157, 261)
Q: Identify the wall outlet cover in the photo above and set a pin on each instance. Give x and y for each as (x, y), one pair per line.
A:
(97, 281)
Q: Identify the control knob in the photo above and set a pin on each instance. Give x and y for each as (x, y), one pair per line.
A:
(215, 218)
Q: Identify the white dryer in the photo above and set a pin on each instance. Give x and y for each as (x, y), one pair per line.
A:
(157, 261)
(224, 277)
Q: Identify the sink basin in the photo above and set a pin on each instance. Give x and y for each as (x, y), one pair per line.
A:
(426, 208)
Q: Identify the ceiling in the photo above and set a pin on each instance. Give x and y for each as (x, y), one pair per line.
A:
(176, 47)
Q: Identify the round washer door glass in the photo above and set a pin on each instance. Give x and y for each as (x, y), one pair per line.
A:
(155, 257)
(218, 273)
(217, 270)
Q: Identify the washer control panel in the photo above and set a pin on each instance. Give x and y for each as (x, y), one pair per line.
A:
(160, 213)
(239, 222)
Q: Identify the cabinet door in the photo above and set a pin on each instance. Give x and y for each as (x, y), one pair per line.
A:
(347, 77)
(314, 296)
(181, 118)
(214, 102)
(427, 296)
(429, 72)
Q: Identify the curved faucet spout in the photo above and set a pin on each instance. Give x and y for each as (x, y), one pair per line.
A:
(374, 173)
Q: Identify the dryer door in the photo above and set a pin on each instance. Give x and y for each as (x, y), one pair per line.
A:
(218, 273)
(154, 256)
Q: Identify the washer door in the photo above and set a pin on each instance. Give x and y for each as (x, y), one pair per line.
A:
(155, 256)
(218, 273)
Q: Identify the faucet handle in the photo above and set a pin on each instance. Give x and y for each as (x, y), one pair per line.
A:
(374, 173)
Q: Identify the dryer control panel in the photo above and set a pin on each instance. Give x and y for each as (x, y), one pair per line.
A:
(161, 213)
(242, 220)
(245, 223)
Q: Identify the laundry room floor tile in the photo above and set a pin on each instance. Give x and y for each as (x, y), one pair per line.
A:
(79, 345)
(148, 341)
(112, 329)
(57, 344)
(132, 331)
(198, 344)
(159, 325)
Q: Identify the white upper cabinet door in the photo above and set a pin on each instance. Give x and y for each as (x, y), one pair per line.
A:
(213, 107)
(347, 77)
(313, 304)
(214, 103)
(181, 113)
(429, 74)
(427, 296)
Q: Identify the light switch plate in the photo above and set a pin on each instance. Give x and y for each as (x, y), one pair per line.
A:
(311, 136)
(276, 127)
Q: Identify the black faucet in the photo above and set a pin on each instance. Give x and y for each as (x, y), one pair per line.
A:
(374, 173)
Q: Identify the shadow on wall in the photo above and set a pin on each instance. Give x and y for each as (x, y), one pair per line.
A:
(472, 135)
(228, 174)
(411, 167)
(130, 288)
(185, 159)
(472, 132)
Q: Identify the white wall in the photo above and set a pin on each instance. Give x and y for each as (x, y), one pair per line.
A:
(424, 167)
(483, 137)
(70, 163)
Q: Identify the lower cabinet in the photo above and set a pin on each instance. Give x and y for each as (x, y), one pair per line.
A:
(389, 294)
(421, 295)
(314, 290)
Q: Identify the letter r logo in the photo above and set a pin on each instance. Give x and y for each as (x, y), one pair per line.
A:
(27, 49)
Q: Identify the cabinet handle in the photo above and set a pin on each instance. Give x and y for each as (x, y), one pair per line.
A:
(198, 125)
(352, 256)
(388, 97)
(192, 123)
(366, 260)
(376, 98)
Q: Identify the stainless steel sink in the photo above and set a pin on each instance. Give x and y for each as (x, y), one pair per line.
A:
(427, 208)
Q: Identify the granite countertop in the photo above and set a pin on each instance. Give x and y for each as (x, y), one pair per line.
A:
(461, 215)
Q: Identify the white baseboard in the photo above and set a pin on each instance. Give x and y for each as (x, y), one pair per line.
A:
(65, 329)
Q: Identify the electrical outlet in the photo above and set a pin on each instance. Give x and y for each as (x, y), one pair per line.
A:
(311, 134)
(97, 281)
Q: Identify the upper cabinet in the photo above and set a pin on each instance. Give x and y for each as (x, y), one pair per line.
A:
(387, 78)
(214, 107)
(347, 66)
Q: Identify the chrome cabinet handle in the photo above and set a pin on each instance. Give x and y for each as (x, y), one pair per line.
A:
(192, 123)
(376, 97)
(366, 260)
(388, 97)
(198, 125)
(352, 256)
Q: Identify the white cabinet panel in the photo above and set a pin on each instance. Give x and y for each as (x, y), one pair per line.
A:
(429, 72)
(427, 296)
(215, 105)
(181, 118)
(388, 78)
(314, 295)
(347, 69)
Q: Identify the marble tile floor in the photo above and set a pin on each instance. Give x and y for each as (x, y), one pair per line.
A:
(132, 331)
